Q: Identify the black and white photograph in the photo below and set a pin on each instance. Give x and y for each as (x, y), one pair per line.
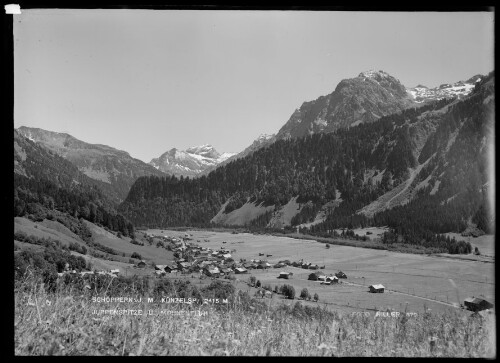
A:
(209, 181)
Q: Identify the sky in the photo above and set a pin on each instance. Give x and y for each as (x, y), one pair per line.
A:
(146, 81)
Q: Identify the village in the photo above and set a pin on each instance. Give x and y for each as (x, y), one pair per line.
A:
(192, 259)
(195, 259)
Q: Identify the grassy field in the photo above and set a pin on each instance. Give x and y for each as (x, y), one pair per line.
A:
(149, 253)
(56, 231)
(46, 229)
(412, 280)
(64, 323)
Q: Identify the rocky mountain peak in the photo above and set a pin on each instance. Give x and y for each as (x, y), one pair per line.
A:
(206, 150)
(190, 162)
(362, 99)
(377, 75)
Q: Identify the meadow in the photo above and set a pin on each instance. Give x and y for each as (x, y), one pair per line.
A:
(440, 282)
(411, 280)
(64, 323)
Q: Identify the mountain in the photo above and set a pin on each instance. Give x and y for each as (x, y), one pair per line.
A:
(354, 101)
(456, 90)
(190, 162)
(364, 99)
(261, 141)
(47, 186)
(115, 169)
(421, 171)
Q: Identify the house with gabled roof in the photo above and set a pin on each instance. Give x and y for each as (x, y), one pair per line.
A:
(169, 268)
(477, 304)
(212, 271)
(285, 275)
(332, 279)
(377, 288)
(240, 270)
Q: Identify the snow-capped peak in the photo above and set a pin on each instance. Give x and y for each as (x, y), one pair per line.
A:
(458, 89)
(189, 162)
(206, 150)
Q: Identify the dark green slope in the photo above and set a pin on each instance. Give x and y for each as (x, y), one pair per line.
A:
(440, 141)
(46, 185)
(114, 171)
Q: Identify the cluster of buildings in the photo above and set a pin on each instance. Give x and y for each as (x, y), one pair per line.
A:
(300, 264)
(324, 279)
(214, 263)
(198, 259)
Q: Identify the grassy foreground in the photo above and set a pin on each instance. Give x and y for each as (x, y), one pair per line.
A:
(62, 323)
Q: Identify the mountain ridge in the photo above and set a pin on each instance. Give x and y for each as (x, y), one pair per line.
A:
(47, 186)
(422, 168)
(115, 168)
(364, 99)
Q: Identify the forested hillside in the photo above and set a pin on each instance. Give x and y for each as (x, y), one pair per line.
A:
(48, 186)
(430, 161)
(114, 171)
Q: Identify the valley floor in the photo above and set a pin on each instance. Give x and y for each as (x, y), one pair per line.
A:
(413, 282)
(416, 284)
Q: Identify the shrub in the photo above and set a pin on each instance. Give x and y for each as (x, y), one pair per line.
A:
(73, 246)
(316, 297)
(288, 291)
(313, 277)
(136, 255)
(304, 293)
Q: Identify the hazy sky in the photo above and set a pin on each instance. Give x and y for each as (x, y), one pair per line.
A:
(146, 81)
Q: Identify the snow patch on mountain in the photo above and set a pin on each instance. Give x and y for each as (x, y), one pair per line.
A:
(459, 89)
(189, 162)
